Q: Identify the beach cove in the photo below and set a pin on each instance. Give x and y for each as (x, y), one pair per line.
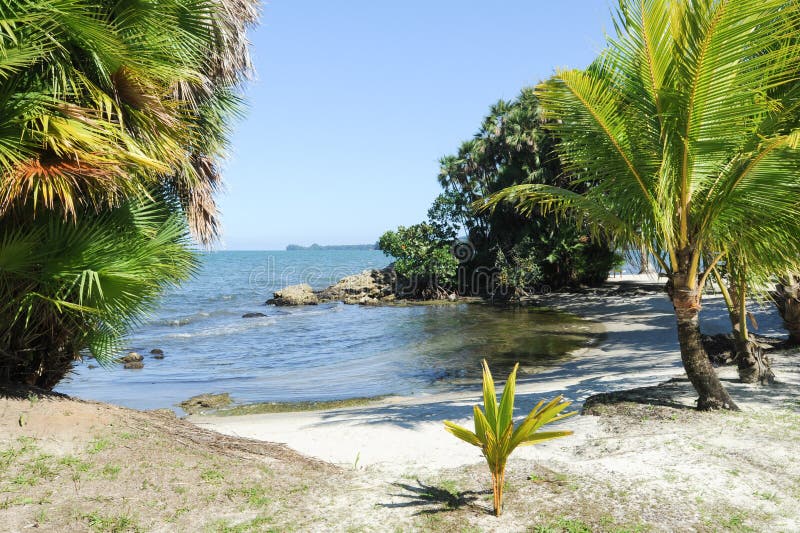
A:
(393, 465)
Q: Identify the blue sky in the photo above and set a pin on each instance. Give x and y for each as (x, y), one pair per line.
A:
(356, 101)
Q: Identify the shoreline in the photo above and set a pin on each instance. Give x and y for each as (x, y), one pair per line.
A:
(75, 465)
(639, 349)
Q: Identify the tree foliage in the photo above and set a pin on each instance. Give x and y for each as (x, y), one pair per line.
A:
(686, 127)
(114, 120)
(513, 147)
(424, 259)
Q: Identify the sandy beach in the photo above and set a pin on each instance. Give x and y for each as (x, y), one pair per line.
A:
(638, 349)
(70, 465)
(677, 451)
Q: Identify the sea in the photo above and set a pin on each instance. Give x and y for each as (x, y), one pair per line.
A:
(325, 352)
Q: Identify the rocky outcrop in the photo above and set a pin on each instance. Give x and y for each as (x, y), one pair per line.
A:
(203, 402)
(132, 357)
(253, 315)
(368, 287)
(294, 295)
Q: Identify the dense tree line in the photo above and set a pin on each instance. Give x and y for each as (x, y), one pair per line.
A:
(503, 252)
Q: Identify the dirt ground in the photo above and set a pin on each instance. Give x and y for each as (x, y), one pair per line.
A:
(70, 465)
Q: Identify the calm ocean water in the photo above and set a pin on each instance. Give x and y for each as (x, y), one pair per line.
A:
(324, 352)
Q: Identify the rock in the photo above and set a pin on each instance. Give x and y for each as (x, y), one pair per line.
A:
(91, 367)
(156, 351)
(367, 287)
(133, 365)
(169, 413)
(253, 315)
(452, 297)
(202, 402)
(158, 356)
(132, 357)
(294, 295)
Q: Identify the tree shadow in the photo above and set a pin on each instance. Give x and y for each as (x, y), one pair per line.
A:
(663, 395)
(18, 391)
(442, 500)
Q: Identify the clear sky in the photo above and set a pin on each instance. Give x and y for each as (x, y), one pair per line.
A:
(355, 102)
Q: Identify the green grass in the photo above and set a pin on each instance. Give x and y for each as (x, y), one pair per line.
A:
(256, 524)
(75, 463)
(98, 445)
(111, 524)
(211, 476)
(256, 496)
(111, 471)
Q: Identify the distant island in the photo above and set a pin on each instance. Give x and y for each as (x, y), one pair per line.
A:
(316, 246)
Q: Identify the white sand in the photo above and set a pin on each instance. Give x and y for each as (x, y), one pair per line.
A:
(405, 435)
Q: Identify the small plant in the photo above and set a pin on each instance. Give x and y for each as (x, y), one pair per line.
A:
(495, 434)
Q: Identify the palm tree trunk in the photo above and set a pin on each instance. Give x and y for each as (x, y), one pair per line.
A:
(686, 301)
(752, 364)
(645, 256)
(498, 480)
(787, 300)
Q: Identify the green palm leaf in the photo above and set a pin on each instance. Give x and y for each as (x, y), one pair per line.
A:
(498, 439)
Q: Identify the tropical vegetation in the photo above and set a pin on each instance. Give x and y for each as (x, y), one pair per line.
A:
(502, 253)
(424, 261)
(511, 147)
(686, 127)
(495, 433)
(115, 119)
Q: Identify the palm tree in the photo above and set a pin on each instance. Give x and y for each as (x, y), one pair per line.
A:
(686, 127)
(107, 108)
(66, 287)
(102, 100)
(736, 287)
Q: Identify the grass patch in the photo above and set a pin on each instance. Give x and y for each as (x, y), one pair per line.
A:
(111, 471)
(211, 476)
(98, 445)
(111, 524)
(256, 496)
(572, 525)
(256, 524)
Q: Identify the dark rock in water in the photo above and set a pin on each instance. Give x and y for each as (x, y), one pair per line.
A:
(156, 351)
(134, 365)
(132, 357)
(253, 315)
(158, 356)
(301, 294)
(92, 367)
(202, 402)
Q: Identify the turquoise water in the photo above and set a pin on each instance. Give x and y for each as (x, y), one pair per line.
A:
(325, 352)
